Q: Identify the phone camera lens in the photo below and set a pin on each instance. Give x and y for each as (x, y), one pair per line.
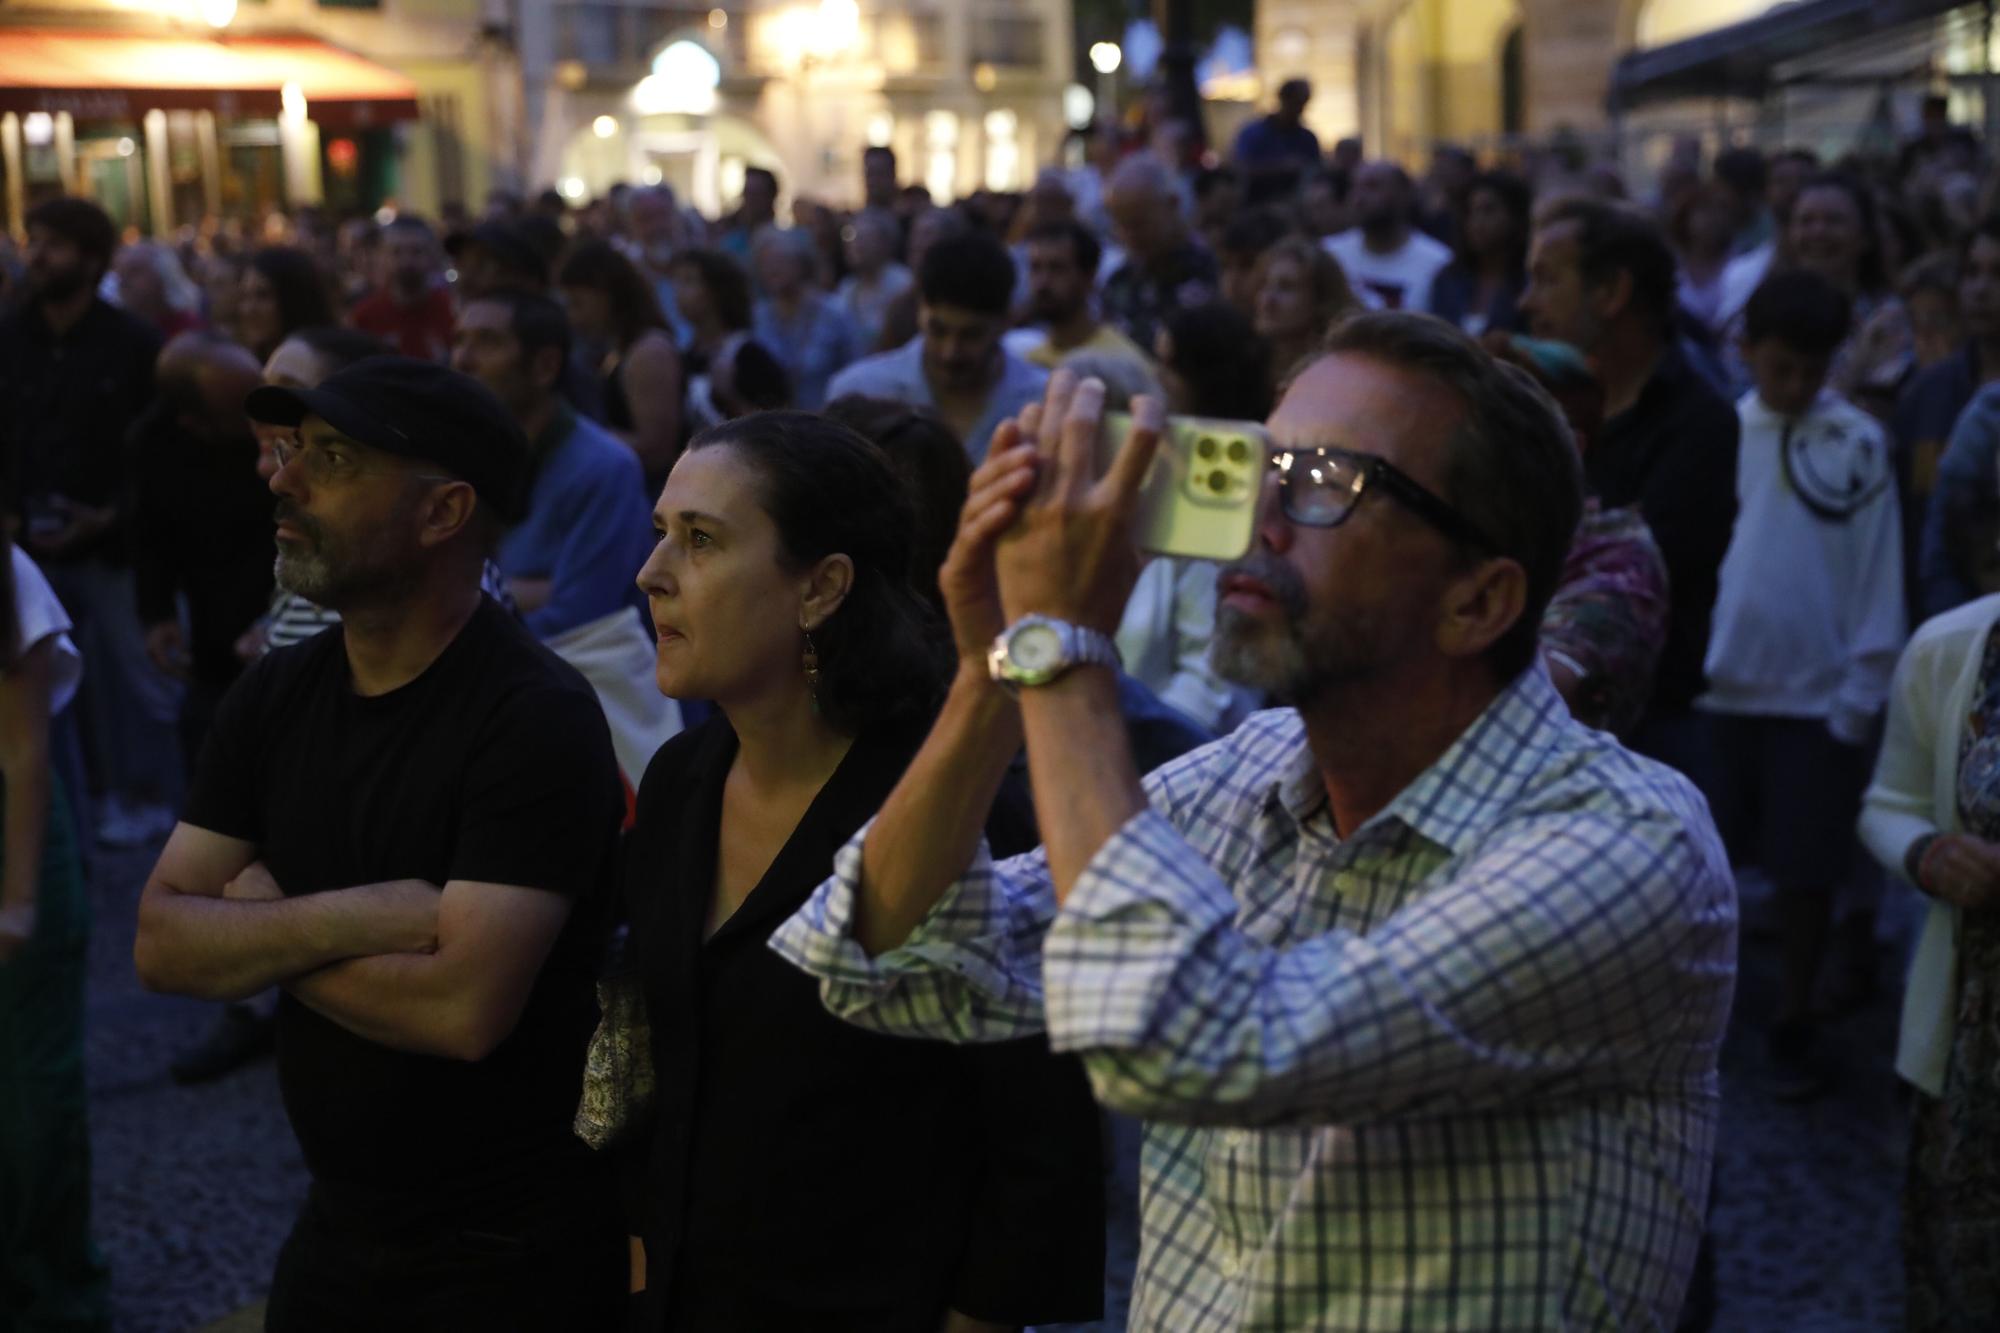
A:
(1239, 450)
(1218, 481)
(1205, 447)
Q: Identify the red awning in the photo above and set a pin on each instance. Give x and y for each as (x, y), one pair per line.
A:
(119, 76)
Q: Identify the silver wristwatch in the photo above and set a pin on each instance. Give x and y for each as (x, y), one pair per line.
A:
(1034, 650)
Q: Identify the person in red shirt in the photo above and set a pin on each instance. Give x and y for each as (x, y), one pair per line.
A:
(413, 310)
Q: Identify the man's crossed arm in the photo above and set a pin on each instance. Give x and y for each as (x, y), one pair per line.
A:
(442, 972)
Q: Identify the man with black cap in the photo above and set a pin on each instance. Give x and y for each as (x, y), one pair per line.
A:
(407, 822)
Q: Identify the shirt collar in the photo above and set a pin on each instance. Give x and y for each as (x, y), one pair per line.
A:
(1454, 801)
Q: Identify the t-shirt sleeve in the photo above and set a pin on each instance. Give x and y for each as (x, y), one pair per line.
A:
(542, 800)
(228, 779)
(39, 615)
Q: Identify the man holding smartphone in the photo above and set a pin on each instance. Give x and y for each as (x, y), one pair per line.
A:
(1417, 985)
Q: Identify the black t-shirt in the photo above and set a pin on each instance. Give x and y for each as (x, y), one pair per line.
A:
(494, 765)
(66, 403)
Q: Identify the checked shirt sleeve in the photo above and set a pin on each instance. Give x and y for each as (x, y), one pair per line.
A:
(971, 971)
(1559, 955)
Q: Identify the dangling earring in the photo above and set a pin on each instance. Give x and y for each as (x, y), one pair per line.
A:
(812, 670)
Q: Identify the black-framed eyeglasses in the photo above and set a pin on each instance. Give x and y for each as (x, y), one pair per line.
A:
(1319, 488)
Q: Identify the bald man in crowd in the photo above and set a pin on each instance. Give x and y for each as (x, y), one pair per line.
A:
(201, 522)
(1166, 269)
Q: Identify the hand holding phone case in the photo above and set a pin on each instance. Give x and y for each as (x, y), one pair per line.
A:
(1199, 499)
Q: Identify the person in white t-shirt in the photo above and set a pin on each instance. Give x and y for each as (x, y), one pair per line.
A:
(51, 1273)
(1390, 264)
(1808, 625)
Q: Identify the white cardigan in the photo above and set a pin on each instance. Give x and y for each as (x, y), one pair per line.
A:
(1915, 792)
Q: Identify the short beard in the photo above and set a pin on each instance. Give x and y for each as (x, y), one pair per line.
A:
(320, 573)
(1294, 661)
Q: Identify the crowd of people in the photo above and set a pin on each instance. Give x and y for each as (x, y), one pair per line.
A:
(702, 655)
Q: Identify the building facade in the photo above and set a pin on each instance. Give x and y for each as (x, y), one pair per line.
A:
(168, 111)
(967, 92)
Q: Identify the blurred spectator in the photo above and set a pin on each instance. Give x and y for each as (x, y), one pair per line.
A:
(497, 254)
(1301, 293)
(1063, 262)
(1601, 278)
(1743, 180)
(1834, 232)
(876, 279)
(411, 310)
(1441, 205)
(612, 306)
(797, 322)
(1929, 291)
(927, 228)
(1244, 242)
(1218, 197)
(1701, 227)
(201, 524)
(659, 231)
(1481, 287)
(1931, 817)
(956, 365)
(1323, 197)
(1165, 269)
(283, 290)
(1280, 139)
(1950, 495)
(571, 557)
(756, 210)
(1785, 176)
(151, 284)
(933, 467)
(54, 1276)
(878, 177)
(75, 374)
(1808, 622)
(1390, 262)
(1213, 364)
(221, 278)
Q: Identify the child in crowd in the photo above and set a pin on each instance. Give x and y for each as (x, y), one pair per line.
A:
(1808, 623)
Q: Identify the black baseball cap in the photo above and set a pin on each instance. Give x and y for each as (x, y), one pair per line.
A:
(415, 409)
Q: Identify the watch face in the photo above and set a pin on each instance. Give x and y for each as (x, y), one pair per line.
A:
(1035, 648)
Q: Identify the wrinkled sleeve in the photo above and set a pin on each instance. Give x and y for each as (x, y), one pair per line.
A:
(971, 971)
(1565, 953)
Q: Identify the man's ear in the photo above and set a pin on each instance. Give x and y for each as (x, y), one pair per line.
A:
(1481, 605)
(1614, 295)
(447, 511)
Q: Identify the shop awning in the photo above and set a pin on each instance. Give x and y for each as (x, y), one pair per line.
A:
(1774, 49)
(120, 76)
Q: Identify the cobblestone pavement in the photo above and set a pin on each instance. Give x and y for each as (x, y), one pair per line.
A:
(197, 1186)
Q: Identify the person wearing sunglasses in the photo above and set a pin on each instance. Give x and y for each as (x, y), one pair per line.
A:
(1411, 964)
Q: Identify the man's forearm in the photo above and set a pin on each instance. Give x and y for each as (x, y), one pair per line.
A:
(931, 824)
(1080, 762)
(403, 1000)
(221, 949)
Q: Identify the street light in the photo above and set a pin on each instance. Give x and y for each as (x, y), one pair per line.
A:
(1105, 58)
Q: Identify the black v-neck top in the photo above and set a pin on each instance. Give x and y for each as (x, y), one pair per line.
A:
(803, 1173)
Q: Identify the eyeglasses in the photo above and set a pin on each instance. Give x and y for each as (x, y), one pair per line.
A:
(1319, 488)
(324, 463)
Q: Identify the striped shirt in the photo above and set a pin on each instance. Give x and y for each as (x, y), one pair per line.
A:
(292, 619)
(1455, 1071)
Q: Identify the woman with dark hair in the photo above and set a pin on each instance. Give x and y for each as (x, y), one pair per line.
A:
(1213, 364)
(799, 1172)
(712, 293)
(1481, 288)
(612, 305)
(1835, 231)
(282, 290)
(933, 467)
(50, 1269)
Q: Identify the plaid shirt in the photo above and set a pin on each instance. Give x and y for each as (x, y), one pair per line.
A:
(1456, 1071)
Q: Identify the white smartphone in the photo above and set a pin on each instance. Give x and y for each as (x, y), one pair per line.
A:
(1199, 499)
